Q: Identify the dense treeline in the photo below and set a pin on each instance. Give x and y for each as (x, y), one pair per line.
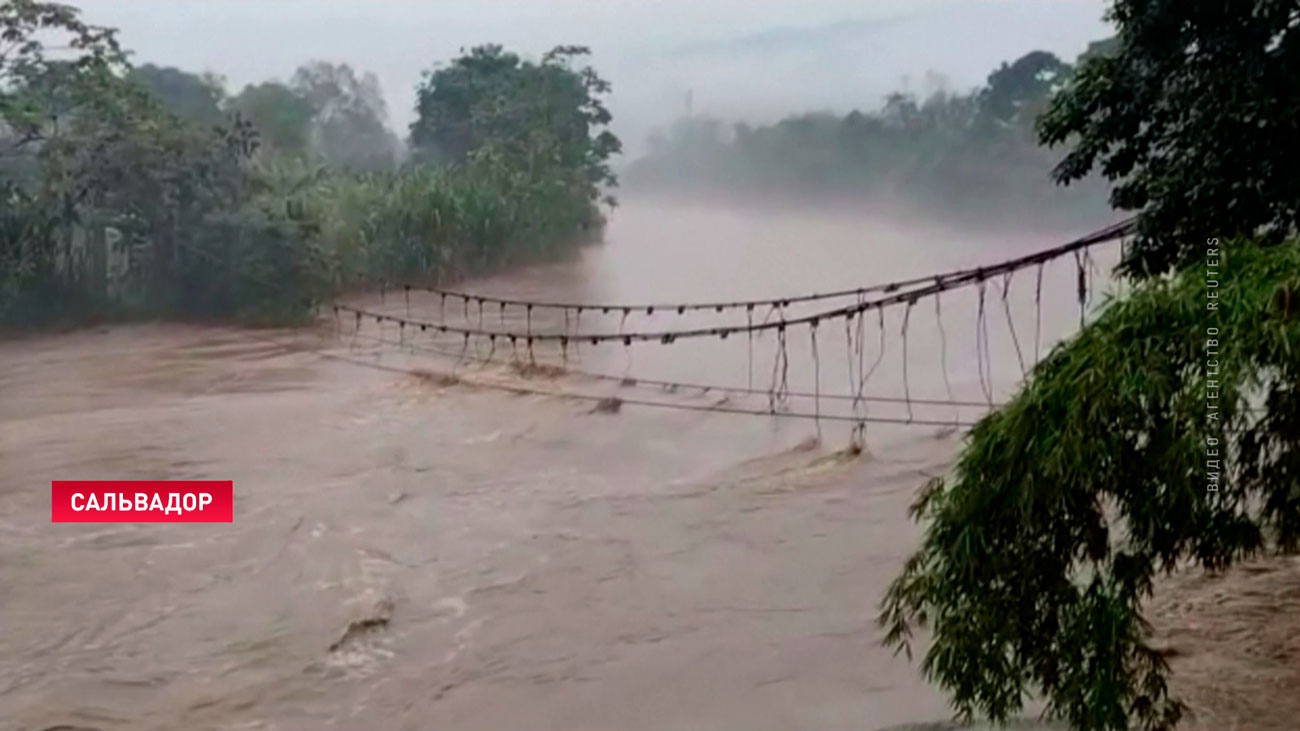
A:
(129, 191)
(970, 154)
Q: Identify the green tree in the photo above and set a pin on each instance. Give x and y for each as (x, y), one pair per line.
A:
(282, 117)
(543, 112)
(1194, 113)
(43, 94)
(457, 105)
(36, 91)
(195, 97)
(349, 116)
(102, 154)
(1017, 92)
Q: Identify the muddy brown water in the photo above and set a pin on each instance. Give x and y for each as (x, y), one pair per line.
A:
(541, 564)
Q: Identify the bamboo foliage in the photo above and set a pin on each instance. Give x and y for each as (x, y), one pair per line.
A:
(1165, 433)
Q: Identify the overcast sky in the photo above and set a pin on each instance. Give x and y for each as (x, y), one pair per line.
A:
(754, 59)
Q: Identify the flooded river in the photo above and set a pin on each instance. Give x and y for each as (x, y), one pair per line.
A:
(540, 563)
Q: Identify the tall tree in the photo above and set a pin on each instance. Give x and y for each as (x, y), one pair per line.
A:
(190, 96)
(349, 116)
(283, 117)
(1017, 92)
(37, 91)
(456, 106)
(489, 97)
(1194, 113)
(56, 73)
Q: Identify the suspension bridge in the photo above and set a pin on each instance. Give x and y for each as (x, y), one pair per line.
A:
(844, 356)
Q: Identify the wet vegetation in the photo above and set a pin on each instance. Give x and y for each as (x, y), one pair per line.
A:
(971, 155)
(1166, 432)
(146, 191)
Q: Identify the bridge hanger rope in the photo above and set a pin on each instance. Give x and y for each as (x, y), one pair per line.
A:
(673, 386)
(780, 325)
(939, 283)
(596, 398)
(678, 307)
(1109, 233)
(859, 420)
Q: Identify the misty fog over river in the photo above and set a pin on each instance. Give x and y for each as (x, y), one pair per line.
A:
(541, 564)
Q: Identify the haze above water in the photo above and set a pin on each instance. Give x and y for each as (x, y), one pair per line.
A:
(744, 61)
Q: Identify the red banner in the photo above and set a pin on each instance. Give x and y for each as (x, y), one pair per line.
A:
(142, 501)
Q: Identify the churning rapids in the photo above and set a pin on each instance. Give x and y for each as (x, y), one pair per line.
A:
(413, 552)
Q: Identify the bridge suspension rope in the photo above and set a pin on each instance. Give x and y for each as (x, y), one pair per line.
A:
(939, 283)
(597, 398)
(1110, 233)
(907, 292)
(673, 386)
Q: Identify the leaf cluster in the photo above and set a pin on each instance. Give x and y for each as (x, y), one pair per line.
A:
(1068, 503)
(532, 112)
(1194, 113)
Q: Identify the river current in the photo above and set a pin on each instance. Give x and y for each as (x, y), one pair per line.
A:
(419, 545)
